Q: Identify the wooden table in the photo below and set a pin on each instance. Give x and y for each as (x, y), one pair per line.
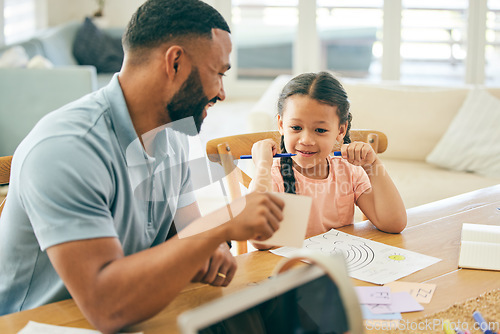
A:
(433, 229)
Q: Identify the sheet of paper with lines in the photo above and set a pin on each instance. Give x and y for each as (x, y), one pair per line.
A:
(366, 260)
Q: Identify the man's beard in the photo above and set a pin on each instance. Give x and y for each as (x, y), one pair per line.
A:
(189, 101)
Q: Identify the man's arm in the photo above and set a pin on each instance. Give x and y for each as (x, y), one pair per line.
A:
(113, 290)
(221, 262)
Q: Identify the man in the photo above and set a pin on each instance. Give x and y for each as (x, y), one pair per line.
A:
(92, 198)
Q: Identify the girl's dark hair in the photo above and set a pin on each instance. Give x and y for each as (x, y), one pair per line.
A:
(322, 87)
(159, 21)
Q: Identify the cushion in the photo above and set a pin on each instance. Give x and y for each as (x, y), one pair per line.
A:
(94, 47)
(14, 57)
(263, 115)
(39, 61)
(472, 141)
(413, 118)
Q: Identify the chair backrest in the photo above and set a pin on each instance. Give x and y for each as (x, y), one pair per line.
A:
(4, 174)
(225, 150)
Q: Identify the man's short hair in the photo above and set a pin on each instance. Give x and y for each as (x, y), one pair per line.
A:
(160, 21)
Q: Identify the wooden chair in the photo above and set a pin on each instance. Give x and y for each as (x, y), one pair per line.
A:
(227, 149)
(4, 174)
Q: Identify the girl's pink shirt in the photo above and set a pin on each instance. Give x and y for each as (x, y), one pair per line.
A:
(333, 198)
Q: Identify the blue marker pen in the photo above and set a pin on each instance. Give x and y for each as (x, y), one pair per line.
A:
(483, 325)
(279, 155)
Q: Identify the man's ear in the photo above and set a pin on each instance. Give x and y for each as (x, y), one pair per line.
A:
(175, 57)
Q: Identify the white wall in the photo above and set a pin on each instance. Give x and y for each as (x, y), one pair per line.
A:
(116, 12)
(1, 23)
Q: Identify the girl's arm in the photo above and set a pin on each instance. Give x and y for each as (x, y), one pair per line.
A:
(262, 157)
(381, 204)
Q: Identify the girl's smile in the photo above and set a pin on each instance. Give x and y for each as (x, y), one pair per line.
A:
(305, 153)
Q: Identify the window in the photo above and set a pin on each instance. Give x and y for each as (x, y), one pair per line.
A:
(349, 32)
(436, 42)
(433, 41)
(19, 20)
(264, 35)
(492, 52)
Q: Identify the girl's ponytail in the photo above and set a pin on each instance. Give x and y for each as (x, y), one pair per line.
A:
(286, 170)
(347, 136)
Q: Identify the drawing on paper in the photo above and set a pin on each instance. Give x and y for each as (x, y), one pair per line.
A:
(397, 257)
(357, 254)
(366, 259)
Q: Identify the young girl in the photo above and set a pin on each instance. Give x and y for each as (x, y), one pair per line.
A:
(313, 117)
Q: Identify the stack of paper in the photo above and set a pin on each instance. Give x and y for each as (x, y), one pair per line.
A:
(381, 303)
(480, 246)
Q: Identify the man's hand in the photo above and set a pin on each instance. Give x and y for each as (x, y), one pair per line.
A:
(256, 216)
(219, 270)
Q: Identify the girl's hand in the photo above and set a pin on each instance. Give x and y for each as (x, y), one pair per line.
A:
(359, 154)
(263, 152)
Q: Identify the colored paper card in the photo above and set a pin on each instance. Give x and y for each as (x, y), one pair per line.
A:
(369, 315)
(401, 302)
(373, 294)
(422, 292)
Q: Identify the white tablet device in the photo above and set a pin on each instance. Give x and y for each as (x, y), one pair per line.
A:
(300, 300)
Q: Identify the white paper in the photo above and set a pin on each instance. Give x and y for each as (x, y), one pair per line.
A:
(366, 260)
(481, 233)
(38, 328)
(293, 227)
(480, 246)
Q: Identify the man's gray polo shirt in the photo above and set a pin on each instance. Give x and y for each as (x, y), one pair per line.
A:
(82, 173)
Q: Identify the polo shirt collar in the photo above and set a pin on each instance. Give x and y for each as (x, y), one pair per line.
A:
(128, 140)
(119, 114)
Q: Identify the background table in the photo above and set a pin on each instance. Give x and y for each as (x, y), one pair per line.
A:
(433, 229)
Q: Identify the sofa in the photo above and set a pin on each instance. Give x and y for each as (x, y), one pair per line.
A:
(27, 94)
(443, 141)
(56, 45)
